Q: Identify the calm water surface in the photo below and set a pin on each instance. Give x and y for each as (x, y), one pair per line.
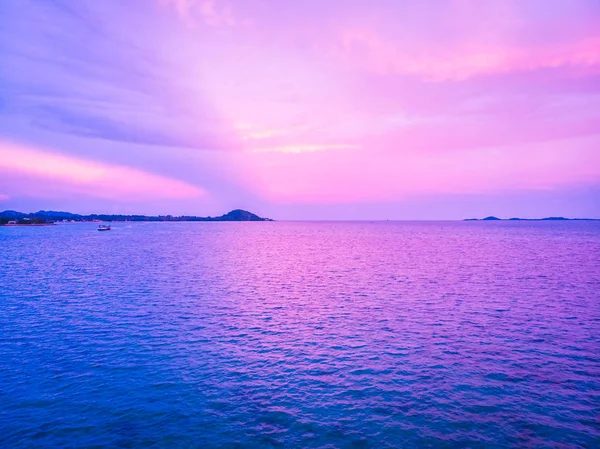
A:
(329, 335)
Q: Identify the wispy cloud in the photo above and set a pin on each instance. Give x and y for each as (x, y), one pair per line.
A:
(210, 12)
(367, 49)
(36, 167)
(297, 149)
(104, 83)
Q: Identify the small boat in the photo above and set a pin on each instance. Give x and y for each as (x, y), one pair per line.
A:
(104, 227)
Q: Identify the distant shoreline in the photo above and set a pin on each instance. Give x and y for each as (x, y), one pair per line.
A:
(42, 217)
(492, 218)
(10, 225)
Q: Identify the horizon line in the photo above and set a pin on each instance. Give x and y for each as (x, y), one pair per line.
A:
(487, 218)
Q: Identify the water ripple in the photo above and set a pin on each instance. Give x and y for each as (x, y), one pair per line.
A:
(312, 335)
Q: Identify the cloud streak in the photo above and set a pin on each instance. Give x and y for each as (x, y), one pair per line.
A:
(211, 12)
(298, 149)
(366, 49)
(39, 169)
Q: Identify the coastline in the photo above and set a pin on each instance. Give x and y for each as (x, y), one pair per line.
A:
(11, 225)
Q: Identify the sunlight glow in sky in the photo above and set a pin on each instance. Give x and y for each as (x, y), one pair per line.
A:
(301, 110)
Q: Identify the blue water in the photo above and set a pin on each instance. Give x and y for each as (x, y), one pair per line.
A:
(328, 335)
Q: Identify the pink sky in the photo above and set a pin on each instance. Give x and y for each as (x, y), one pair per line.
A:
(340, 109)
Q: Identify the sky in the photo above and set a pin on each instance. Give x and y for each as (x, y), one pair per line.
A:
(314, 109)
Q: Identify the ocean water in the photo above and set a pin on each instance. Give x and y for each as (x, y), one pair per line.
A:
(307, 335)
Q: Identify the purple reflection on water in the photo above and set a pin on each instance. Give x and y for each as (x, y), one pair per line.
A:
(302, 334)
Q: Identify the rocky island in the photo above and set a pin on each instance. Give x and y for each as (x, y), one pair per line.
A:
(492, 218)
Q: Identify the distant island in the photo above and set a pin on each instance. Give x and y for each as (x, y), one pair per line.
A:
(43, 217)
(492, 218)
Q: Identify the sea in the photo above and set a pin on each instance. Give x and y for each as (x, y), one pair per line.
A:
(301, 335)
